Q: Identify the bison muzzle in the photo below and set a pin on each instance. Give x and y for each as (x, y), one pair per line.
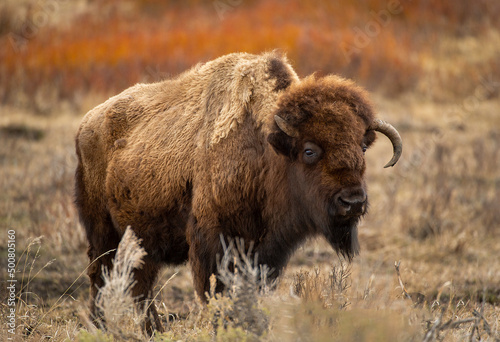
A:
(236, 147)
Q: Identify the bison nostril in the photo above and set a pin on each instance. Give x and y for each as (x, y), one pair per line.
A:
(344, 203)
(351, 202)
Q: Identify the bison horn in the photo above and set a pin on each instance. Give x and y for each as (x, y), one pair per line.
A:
(286, 127)
(393, 135)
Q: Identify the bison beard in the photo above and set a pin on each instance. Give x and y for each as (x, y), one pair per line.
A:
(238, 147)
(343, 236)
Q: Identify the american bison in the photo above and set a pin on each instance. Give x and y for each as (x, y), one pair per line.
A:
(236, 147)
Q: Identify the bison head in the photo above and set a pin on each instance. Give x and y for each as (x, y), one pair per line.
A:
(324, 126)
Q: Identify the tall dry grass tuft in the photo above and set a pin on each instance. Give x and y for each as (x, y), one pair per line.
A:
(239, 312)
(330, 290)
(122, 316)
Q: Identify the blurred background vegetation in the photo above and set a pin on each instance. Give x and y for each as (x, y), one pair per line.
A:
(59, 50)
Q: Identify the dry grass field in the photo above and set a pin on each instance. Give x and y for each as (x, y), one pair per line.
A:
(433, 69)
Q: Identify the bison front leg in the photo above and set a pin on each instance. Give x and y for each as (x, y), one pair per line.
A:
(145, 278)
(203, 252)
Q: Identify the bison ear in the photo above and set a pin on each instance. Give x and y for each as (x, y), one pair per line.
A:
(282, 144)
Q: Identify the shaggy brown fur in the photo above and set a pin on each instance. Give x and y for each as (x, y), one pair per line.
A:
(188, 160)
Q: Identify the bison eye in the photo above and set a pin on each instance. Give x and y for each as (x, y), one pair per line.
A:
(312, 153)
(364, 148)
(309, 152)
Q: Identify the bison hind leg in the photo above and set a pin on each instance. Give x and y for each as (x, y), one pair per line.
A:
(102, 237)
(94, 271)
(144, 279)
